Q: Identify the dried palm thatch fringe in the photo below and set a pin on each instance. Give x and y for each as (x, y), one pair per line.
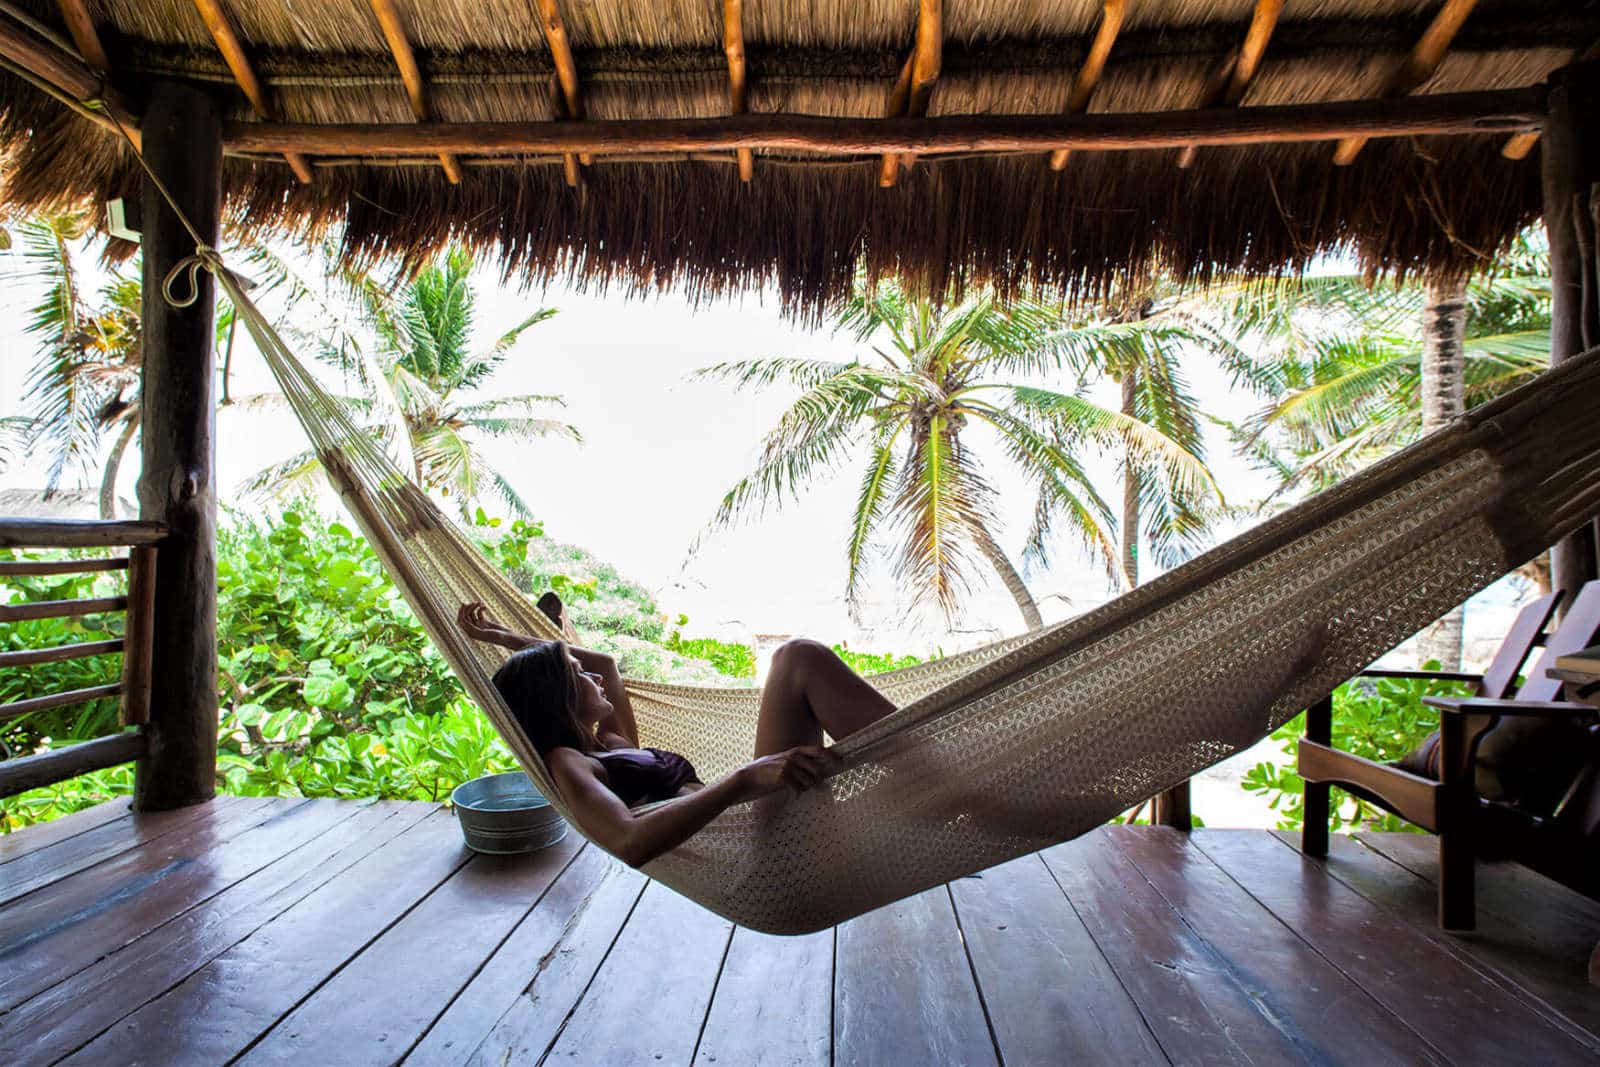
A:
(1010, 748)
(946, 225)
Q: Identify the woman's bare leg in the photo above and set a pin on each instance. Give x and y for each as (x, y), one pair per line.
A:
(809, 690)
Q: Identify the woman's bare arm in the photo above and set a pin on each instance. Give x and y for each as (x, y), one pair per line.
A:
(636, 838)
(621, 721)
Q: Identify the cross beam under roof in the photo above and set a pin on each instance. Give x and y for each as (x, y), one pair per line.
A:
(1499, 111)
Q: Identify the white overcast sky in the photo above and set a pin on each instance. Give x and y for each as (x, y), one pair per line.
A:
(660, 450)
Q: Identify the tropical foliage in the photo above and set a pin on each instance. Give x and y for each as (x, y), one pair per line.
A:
(84, 384)
(408, 346)
(925, 379)
(1340, 362)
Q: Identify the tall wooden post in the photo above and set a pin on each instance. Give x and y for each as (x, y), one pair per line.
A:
(183, 145)
(1570, 157)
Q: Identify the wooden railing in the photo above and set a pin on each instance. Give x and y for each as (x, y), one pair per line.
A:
(141, 539)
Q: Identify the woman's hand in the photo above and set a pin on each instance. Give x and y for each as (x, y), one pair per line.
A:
(474, 619)
(798, 769)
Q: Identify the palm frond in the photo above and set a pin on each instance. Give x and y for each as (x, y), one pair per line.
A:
(882, 468)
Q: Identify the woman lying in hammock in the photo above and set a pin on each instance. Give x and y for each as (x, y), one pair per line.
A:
(572, 705)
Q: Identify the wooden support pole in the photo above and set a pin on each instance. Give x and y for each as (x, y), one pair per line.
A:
(183, 145)
(394, 32)
(914, 88)
(733, 48)
(1570, 167)
(555, 36)
(1094, 64)
(1228, 89)
(1418, 67)
(139, 633)
(1173, 809)
(1314, 825)
(1492, 111)
(233, 53)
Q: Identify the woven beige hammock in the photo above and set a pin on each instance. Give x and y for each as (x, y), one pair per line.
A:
(1028, 742)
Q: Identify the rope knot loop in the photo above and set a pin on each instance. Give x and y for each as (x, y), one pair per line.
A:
(188, 268)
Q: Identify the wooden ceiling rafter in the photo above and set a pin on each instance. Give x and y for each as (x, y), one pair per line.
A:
(914, 88)
(1227, 88)
(1094, 64)
(233, 53)
(1423, 59)
(394, 32)
(555, 38)
(733, 48)
(81, 28)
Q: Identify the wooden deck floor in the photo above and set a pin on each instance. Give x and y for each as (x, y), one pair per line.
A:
(335, 932)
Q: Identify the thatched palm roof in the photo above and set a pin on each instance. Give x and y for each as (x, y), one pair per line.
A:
(807, 221)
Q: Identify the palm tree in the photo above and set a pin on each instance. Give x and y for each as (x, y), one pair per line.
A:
(1355, 372)
(412, 353)
(911, 401)
(1137, 341)
(84, 384)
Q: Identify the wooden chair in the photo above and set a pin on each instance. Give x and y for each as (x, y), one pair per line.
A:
(1447, 801)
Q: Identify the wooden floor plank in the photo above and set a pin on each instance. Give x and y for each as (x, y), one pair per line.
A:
(1052, 996)
(1331, 1017)
(240, 994)
(43, 835)
(73, 1012)
(50, 936)
(1200, 1008)
(904, 992)
(46, 866)
(773, 1005)
(648, 1000)
(517, 1002)
(1516, 942)
(1450, 1004)
(356, 1018)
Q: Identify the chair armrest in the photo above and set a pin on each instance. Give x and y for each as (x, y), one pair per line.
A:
(1487, 706)
(1426, 676)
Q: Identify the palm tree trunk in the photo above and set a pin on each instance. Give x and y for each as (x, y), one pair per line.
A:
(1130, 490)
(1012, 581)
(1444, 325)
(108, 481)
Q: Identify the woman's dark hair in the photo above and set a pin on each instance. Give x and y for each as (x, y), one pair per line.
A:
(541, 689)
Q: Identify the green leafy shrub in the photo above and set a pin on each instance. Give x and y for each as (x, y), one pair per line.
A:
(874, 662)
(1379, 718)
(733, 660)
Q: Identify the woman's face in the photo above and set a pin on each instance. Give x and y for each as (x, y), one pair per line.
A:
(592, 703)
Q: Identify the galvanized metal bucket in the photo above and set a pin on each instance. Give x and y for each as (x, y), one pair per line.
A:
(503, 814)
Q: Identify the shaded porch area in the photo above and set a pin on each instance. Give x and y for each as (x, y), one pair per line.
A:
(264, 930)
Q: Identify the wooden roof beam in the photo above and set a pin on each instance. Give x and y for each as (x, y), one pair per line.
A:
(1228, 88)
(733, 48)
(80, 27)
(914, 88)
(1502, 111)
(1094, 64)
(394, 32)
(55, 71)
(1418, 67)
(555, 37)
(233, 53)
